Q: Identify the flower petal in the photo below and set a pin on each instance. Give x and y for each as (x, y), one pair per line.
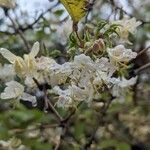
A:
(30, 98)
(8, 55)
(35, 49)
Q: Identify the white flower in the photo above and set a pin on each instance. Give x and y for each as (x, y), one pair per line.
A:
(26, 66)
(104, 65)
(122, 82)
(104, 70)
(29, 82)
(100, 78)
(84, 75)
(7, 72)
(127, 26)
(15, 90)
(121, 86)
(64, 30)
(64, 99)
(58, 74)
(73, 94)
(120, 54)
(56, 77)
(42, 75)
(83, 61)
(29, 98)
(82, 94)
(126, 83)
(83, 70)
(43, 63)
(85, 78)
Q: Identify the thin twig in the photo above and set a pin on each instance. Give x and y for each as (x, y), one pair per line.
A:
(20, 33)
(49, 104)
(47, 101)
(72, 113)
(144, 67)
(65, 125)
(55, 111)
(142, 51)
(29, 26)
(89, 7)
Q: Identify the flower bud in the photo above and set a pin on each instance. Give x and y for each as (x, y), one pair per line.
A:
(98, 46)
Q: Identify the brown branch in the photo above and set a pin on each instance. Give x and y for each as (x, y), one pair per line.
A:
(29, 26)
(20, 33)
(72, 113)
(65, 125)
(144, 67)
(47, 102)
(142, 51)
(54, 111)
(89, 8)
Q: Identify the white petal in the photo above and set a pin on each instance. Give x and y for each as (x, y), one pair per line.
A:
(35, 49)
(8, 55)
(13, 90)
(30, 98)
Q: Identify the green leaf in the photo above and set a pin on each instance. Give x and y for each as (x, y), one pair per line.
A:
(114, 143)
(55, 53)
(59, 12)
(79, 129)
(76, 8)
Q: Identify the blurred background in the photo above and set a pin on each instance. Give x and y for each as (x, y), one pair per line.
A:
(127, 125)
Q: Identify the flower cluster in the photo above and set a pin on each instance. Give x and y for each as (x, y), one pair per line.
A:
(83, 78)
(126, 26)
(120, 54)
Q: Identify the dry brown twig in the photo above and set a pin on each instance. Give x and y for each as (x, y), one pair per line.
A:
(142, 52)
(142, 68)
(17, 30)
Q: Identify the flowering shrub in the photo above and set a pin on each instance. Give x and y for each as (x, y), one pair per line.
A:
(84, 77)
(81, 85)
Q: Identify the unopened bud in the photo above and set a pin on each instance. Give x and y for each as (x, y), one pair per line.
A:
(98, 46)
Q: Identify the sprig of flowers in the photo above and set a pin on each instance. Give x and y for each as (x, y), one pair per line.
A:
(93, 69)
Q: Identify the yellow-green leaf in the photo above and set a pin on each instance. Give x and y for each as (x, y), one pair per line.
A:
(76, 8)
(7, 3)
